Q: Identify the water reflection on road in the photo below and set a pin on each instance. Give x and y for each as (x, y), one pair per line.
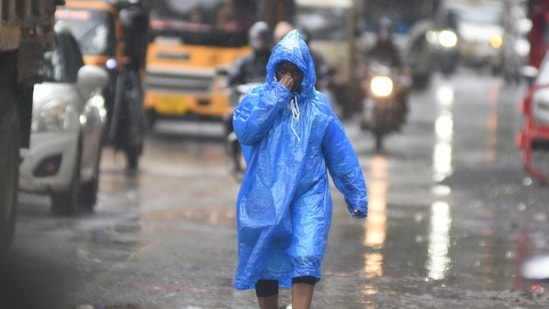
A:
(449, 215)
(418, 227)
(438, 261)
(436, 234)
(375, 226)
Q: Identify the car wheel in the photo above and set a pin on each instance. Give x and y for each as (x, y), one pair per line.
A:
(89, 189)
(9, 164)
(64, 203)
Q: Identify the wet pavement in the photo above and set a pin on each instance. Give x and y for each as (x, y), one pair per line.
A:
(452, 218)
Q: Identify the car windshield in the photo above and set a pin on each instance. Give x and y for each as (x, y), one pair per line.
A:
(479, 15)
(225, 15)
(404, 13)
(53, 67)
(94, 30)
(324, 23)
(208, 22)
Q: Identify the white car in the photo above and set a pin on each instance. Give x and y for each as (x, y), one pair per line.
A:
(68, 123)
(480, 30)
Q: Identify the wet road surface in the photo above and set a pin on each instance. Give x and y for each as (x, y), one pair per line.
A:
(452, 216)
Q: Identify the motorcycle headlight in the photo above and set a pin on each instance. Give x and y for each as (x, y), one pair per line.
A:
(54, 116)
(381, 86)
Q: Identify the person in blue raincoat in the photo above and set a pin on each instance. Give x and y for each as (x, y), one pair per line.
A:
(291, 139)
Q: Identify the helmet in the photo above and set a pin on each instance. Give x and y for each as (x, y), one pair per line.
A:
(260, 36)
(384, 29)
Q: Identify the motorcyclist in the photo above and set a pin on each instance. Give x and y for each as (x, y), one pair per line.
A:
(251, 68)
(387, 52)
(248, 69)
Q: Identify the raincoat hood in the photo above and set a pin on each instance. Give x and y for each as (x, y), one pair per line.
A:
(293, 48)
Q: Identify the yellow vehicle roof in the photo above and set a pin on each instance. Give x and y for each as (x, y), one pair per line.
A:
(92, 4)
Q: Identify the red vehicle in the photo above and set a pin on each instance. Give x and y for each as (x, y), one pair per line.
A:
(535, 132)
(538, 13)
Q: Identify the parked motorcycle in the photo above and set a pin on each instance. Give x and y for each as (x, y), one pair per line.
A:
(385, 105)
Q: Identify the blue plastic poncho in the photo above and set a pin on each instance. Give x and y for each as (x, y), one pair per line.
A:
(290, 142)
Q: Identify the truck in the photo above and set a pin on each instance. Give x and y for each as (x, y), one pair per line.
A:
(26, 32)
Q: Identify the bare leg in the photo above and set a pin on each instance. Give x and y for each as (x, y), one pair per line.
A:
(302, 295)
(269, 302)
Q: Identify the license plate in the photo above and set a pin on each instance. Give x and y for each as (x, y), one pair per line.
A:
(169, 104)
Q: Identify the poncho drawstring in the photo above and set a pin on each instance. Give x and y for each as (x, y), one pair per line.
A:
(295, 116)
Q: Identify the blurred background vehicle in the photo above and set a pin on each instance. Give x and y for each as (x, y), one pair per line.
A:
(536, 11)
(420, 54)
(443, 37)
(68, 123)
(331, 31)
(412, 22)
(189, 42)
(26, 32)
(385, 106)
(480, 30)
(246, 72)
(481, 34)
(516, 47)
(534, 106)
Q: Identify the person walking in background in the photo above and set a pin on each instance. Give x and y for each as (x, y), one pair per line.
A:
(291, 140)
(251, 68)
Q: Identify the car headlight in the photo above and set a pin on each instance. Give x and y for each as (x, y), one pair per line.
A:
(381, 86)
(496, 41)
(447, 38)
(54, 116)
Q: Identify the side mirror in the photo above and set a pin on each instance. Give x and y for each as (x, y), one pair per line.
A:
(92, 77)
